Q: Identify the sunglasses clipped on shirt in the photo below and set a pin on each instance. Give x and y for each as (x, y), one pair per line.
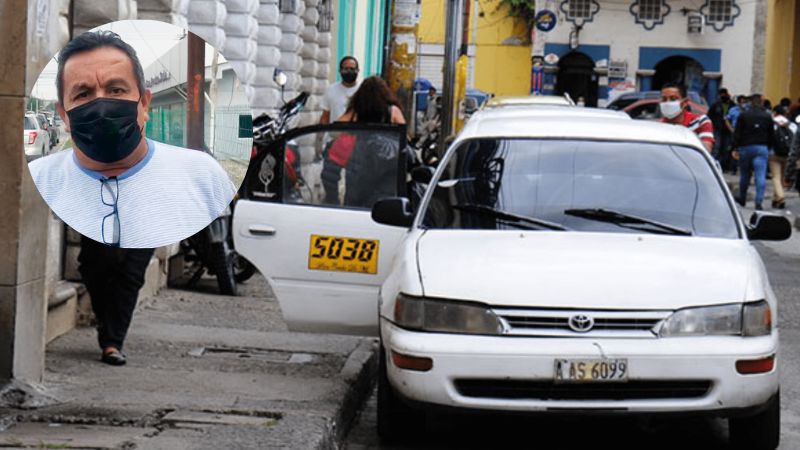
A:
(109, 195)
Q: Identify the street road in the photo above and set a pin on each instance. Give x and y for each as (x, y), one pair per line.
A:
(783, 264)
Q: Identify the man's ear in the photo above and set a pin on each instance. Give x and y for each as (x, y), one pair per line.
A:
(147, 97)
(63, 115)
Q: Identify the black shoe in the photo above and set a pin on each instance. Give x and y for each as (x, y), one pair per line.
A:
(740, 201)
(114, 358)
(759, 207)
(781, 204)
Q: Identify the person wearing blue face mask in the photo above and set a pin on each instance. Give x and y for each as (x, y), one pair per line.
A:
(123, 193)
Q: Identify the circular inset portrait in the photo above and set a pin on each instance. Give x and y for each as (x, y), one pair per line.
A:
(138, 134)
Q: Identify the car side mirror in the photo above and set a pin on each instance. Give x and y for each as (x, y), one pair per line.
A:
(422, 174)
(768, 227)
(393, 211)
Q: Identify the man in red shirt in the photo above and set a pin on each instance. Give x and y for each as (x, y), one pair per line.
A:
(674, 109)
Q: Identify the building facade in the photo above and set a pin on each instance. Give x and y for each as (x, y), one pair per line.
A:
(782, 74)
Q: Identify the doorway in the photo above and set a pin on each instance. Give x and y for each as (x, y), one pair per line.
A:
(681, 70)
(576, 77)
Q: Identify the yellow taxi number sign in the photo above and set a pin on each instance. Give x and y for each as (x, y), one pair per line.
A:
(343, 254)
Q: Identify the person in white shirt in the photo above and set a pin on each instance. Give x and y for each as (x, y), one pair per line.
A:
(337, 97)
(123, 193)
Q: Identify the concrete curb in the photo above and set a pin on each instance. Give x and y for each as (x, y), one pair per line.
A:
(359, 373)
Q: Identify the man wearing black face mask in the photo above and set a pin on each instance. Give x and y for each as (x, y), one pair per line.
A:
(336, 98)
(123, 193)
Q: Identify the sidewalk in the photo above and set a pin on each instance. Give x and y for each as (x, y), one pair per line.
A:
(204, 371)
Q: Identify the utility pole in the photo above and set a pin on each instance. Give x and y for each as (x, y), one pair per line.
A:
(195, 90)
(402, 63)
(453, 13)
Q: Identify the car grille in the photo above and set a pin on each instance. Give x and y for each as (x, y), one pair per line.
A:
(548, 390)
(544, 322)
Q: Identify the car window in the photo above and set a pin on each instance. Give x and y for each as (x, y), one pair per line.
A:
(340, 165)
(29, 124)
(646, 111)
(541, 179)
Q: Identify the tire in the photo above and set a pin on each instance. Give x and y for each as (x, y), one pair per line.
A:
(242, 268)
(221, 259)
(758, 432)
(397, 422)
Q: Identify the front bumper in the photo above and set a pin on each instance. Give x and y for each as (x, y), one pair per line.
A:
(497, 361)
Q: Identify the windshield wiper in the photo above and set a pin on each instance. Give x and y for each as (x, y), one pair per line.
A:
(509, 217)
(622, 219)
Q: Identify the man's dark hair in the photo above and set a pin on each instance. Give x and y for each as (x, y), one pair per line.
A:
(786, 101)
(679, 86)
(92, 40)
(353, 58)
(722, 91)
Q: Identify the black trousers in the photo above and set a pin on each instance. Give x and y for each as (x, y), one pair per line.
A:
(113, 277)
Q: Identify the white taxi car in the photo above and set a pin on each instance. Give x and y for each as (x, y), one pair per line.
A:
(557, 263)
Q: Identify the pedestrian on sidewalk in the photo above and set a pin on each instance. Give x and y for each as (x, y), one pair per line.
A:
(674, 108)
(113, 277)
(336, 98)
(373, 102)
(784, 136)
(753, 137)
(722, 134)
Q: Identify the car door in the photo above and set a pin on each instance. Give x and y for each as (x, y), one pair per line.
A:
(308, 228)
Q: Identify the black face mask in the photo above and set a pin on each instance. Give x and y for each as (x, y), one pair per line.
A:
(106, 129)
(348, 76)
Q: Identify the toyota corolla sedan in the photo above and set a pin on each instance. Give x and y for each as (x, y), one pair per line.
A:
(557, 263)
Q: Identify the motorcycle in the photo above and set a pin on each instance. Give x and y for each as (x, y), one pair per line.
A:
(267, 129)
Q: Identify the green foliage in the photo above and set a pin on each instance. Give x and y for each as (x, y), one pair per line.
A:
(524, 10)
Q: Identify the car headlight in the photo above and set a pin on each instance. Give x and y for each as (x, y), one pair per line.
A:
(445, 316)
(749, 319)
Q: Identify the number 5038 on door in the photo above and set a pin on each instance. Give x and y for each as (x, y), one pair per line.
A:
(343, 254)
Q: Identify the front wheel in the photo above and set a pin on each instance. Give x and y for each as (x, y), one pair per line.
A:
(243, 269)
(759, 432)
(221, 259)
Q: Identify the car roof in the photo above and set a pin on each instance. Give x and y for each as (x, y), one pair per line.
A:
(529, 100)
(545, 110)
(572, 123)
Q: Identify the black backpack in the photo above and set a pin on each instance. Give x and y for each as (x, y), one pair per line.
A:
(783, 140)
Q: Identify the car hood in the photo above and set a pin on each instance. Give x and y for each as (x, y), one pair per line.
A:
(587, 270)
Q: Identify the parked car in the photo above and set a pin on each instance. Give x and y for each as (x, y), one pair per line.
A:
(624, 100)
(35, 138)
(648, 109)
(557, 264)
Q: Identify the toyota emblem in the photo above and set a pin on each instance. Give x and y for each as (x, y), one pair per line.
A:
(581, 323)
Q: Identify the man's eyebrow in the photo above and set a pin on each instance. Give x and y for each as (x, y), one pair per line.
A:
(118, 80)
(79, 87)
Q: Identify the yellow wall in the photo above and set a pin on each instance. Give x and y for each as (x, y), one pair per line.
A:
(503, 69)
(782, 67)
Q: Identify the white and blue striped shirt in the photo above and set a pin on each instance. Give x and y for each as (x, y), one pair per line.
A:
(168, 196)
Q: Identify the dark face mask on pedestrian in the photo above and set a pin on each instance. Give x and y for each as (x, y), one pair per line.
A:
(349, 76)
(106, 129)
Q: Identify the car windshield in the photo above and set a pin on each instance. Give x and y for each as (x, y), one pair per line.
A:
(578, 185)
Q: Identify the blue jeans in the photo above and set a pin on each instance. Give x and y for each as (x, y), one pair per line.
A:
(753, 158)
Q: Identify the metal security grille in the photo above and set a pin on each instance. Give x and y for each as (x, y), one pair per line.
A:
(555, 323)
(579, 9)
(325, 16)
(720, 11)
(649, 10)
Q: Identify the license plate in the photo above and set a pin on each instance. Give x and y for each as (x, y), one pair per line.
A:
(591, 370)
(343, 254)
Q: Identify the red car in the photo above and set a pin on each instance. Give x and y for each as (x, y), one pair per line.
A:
(647, 109)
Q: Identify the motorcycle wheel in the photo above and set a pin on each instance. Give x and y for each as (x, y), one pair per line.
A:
(242, 268)
(221, 258)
